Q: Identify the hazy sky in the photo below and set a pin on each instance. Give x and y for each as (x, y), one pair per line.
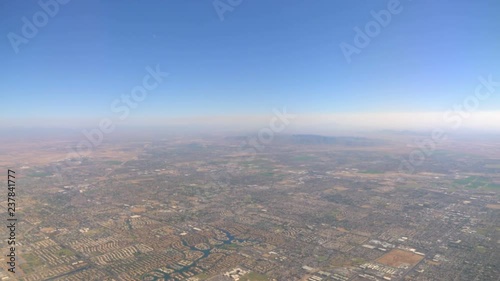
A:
(262, 55)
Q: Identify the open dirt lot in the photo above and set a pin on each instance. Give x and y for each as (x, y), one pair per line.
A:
(397, 257)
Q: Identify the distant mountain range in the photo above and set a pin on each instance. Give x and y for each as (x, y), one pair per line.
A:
(310, 139)
(344, 140)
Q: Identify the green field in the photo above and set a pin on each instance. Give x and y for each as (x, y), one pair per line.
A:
(252, 276)
(481, 249)
(475, 182)
(39, 174)
(304, 158)
(492, 166)
(371, 172)
(65, 252)
(32, 262)
(267, 174)
(231, 246)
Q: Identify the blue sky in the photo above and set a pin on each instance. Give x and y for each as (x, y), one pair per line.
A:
(263, 55)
